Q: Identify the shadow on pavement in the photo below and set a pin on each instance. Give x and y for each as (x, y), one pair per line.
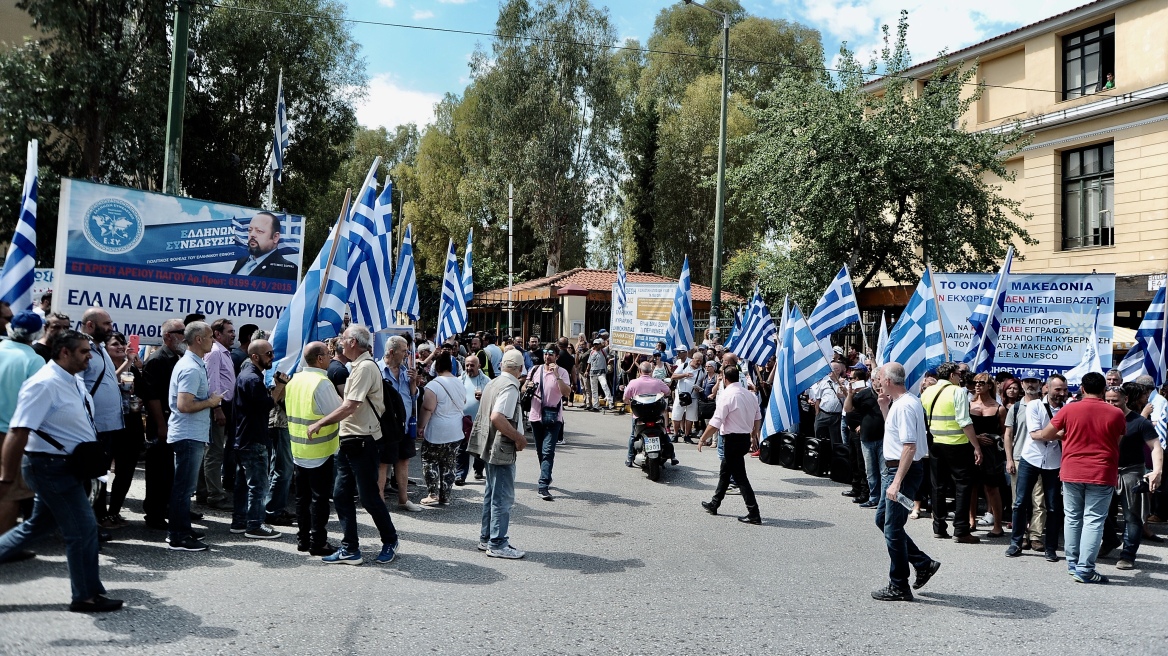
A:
(998, 607)
(601, 498)
(813, 481)
(167, 623)
(433, 570)
(583, 563)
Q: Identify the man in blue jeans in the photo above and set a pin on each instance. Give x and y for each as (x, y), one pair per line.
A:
(904, 446)
(552, 385)
(1090, 431)
(53, 406)
(251, 405)
(187, 431)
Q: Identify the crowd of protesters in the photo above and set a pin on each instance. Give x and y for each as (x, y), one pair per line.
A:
(219, 430)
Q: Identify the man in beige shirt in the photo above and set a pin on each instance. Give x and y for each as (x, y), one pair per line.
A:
(359, 457)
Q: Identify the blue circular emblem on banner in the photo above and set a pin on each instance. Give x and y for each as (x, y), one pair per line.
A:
(113, 226)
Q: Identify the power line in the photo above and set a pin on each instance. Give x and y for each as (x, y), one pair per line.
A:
(517, 37)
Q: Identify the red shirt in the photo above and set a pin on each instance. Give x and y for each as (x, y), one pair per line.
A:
(1091, 444)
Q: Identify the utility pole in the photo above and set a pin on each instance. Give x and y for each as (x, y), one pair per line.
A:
(178, 96)
(510, 245)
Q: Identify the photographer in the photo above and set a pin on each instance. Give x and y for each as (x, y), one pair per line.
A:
(552, 385)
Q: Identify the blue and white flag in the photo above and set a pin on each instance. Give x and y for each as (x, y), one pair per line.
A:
(836, 309)
(282, 134)
(756, 343)
(369, 272)
(467, 271)
(622, 281)
(679, 336)
(17, 276)
(917, 341)
(383, 208)
(800, 363)
(736, 330)
(1089, 360)
(1162, 431)
(405, 284)
(452, 309)
(881, 341)
(1146, 358)
(986, 320)
(317, 309)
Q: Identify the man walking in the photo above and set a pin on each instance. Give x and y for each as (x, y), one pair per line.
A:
(188, 431)
(251, 406)
(221, 378)
(359, 456)
(904, 446)
(53, 417)
(598, 374)
(473, 381)
(737, 418)
(552, 386)
(309, 397)
(956, 451)
(497, 436)
(1038, 466)
(1090, 431)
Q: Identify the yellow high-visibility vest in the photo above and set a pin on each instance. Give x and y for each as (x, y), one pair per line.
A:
(298, 400)
(939, 403)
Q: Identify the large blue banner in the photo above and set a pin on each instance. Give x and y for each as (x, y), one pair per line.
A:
(1048, 318)
(148, 257)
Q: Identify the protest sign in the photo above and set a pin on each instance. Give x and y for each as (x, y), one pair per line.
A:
(146, 257)
(1047, 322)
(645, 318)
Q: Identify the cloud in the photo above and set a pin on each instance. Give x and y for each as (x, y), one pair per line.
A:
(390, 105)
(387, 3)
(933, 26)
(455, 2)
(423, 14)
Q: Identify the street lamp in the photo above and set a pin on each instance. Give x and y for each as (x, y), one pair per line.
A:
(720, 205)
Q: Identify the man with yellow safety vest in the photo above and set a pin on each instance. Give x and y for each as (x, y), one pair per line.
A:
(955, 450)
(308, 397)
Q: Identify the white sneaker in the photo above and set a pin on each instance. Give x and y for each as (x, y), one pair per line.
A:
(411, 506)
(509, 552)
(483, 546)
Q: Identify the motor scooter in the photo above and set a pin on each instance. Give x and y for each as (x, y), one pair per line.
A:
(649, 438)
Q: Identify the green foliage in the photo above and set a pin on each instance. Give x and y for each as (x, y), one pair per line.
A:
(880, 181)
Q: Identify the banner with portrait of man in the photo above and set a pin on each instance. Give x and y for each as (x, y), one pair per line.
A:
(146, 257)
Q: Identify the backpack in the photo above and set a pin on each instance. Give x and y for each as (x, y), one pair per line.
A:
(393, 420)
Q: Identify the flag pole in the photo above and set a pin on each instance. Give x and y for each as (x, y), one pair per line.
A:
(937, 309)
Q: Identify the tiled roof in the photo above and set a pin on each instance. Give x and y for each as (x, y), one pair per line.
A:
(602, 280)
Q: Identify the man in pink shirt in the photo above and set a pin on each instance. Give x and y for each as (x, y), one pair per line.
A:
(737, 418)
(645, 383)
(552, 385)
(221, 381)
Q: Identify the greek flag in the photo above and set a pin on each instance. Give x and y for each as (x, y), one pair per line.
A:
(452, 310)
(836, 308)
(622, 281)
(757, 341)
(467, 272)
(369, 272)
(732, 340)
(800, 363)
(317, 309)
(986, 320)
(916, 341)
(283, 132)
(1147, 356)
(679, 336)
(405, 285)
(882, 341)
(17, 276)
(1089, 361)
(290, 234)
(383, 208)
(1162, 430)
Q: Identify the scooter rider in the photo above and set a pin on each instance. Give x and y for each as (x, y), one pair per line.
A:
(644, 383)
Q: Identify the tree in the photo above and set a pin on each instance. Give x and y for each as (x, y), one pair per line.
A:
(883, 181)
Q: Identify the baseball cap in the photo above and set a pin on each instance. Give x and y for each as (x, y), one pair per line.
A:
(598, 341)
(839, 350)
(28, 321)
(859, 366)
(513, 358)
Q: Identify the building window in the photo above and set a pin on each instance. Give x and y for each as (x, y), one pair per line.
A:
(1089, 197)
(1088, 57)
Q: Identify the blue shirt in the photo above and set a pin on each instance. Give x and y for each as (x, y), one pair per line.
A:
(107, 398)
(55, 402)
(496, 355)
(18, 362)
(401, 384)
(190, 376)
(473, 385)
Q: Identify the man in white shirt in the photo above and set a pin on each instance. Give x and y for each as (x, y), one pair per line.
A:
(473, 380)
(1016, 438)
(1041, 460)
(684, 415)
(904, 447)
(828, 397)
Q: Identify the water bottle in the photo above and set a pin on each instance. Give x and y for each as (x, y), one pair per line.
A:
(904, 501)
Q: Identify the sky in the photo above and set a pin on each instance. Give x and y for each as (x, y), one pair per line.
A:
(409, 70)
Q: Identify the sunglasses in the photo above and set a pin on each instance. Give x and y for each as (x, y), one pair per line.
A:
(175, 332)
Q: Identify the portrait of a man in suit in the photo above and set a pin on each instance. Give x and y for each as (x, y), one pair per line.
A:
(263, 257)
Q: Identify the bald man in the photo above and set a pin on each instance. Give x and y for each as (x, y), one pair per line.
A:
(251, 406)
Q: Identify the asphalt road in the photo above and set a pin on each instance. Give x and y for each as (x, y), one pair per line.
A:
(615, 564)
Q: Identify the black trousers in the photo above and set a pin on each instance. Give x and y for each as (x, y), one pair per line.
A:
(124, 446)
(827, 427)
(314, 489)
(952, 461)
(159, 480)
(736, 446)
(859, 472)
